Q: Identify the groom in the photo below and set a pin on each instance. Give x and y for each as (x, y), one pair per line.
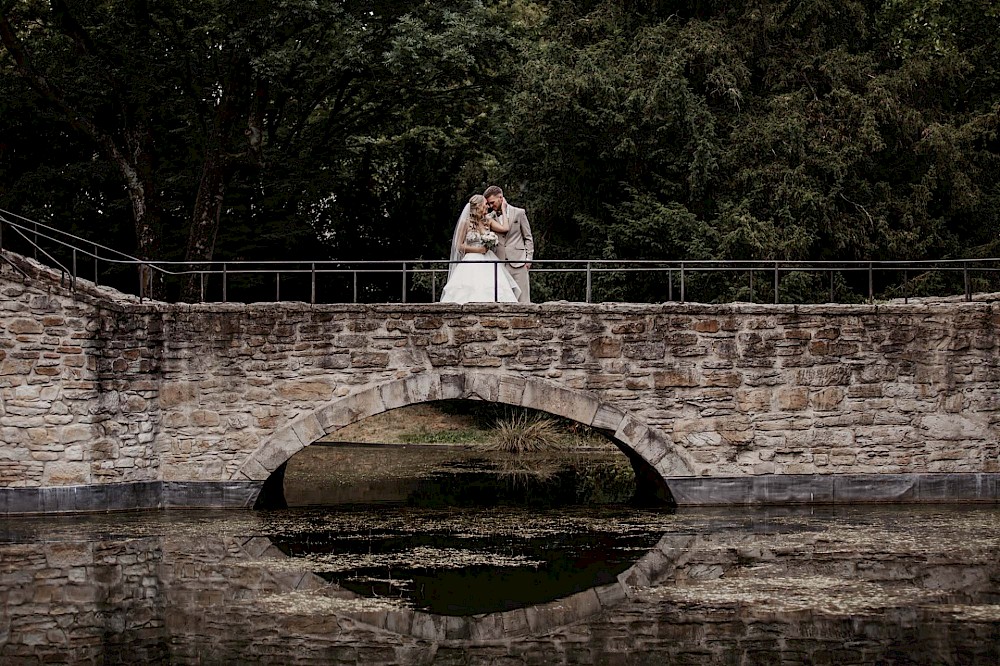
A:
(517, 247)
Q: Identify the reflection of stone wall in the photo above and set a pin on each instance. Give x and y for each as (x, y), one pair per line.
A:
(81, 603)
(191, 599)
(96, 388)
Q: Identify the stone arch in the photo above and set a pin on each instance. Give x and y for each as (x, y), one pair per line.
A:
(636, 438)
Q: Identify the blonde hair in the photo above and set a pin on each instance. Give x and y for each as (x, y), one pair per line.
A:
(477, 215)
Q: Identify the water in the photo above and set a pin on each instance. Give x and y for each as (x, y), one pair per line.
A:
(424, 582)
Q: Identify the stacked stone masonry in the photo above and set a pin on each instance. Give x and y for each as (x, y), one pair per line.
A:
(99, 388)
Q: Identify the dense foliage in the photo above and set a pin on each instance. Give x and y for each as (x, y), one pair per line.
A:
(629, 129)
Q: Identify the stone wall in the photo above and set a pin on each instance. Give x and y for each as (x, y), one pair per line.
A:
(77, 387)
(97, 388)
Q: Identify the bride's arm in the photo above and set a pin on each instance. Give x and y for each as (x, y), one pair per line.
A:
(501, 226)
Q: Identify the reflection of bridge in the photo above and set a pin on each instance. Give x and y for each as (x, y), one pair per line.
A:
(200, 597)
(107, 402)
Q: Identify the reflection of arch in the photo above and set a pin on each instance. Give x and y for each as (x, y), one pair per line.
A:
(669, 553)
(638, 440)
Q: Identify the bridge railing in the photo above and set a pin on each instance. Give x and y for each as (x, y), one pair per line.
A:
(579, 280)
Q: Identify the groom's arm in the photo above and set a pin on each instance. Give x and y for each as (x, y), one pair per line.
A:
(529, 241)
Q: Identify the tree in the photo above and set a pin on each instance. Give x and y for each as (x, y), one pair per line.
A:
(283, 113)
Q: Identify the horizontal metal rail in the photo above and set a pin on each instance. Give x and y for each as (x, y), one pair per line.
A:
(677, 272)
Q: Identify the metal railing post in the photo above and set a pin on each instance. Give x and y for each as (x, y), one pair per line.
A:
(682, 282)
(871, 283)
(751, 285)
(670, 285)
(588, 283)
(404, 283)
(201, 292)
(906, 286)
(777, 283)
(277, 287)
(312, 285)
(968, 286)
(355, 273)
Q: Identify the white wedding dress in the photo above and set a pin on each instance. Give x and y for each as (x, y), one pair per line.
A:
(476, 280)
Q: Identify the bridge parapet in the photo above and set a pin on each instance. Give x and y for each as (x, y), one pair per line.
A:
(119, 402)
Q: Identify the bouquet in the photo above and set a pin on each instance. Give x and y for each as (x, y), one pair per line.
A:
(490, 239)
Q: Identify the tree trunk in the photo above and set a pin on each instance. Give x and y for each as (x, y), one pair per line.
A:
(205, 219)
(235, 106)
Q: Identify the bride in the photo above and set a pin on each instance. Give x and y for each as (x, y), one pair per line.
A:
(475, 277)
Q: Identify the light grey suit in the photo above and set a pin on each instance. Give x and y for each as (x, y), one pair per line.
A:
(517, 248)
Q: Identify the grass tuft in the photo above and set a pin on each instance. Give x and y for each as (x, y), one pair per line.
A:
(524, 433)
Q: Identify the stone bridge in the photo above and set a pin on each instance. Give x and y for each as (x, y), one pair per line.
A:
(107, 402)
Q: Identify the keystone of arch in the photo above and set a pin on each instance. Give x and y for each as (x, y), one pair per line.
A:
(539, 394)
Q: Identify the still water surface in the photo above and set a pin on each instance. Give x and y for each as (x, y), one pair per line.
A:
(418, 582)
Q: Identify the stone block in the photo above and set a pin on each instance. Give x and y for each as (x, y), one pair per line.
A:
(64, 555)
(486, 627)
(282, 445)
(394, 394)
(675, 377)
(611, 595)
(631, 431)
(482, 386)
(76, 433)
(605, 347)
(252, 470)
(427, 627)
(754, 400)
(954, 427)
(827, 399)
(546, 396)
(347, 410)
(581, 605)
(177, 393)
(452, 386)
(674, 464)
(423, 387)
(515, 622)
(25, 327)
(306, 391)
(723, 379)
(651, 448)
(400, 622)
(308, 429)
(511, 390)
(647, 569)
(204, 418)
(608, 417)
(793, 399)
(59, 473)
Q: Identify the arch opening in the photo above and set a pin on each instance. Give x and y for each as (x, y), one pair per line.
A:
(652, 455)
(460, 453)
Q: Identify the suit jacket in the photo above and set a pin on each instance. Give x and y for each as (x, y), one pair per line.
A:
(518, 245)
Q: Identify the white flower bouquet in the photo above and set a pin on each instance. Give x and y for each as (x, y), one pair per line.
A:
(490, 239)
